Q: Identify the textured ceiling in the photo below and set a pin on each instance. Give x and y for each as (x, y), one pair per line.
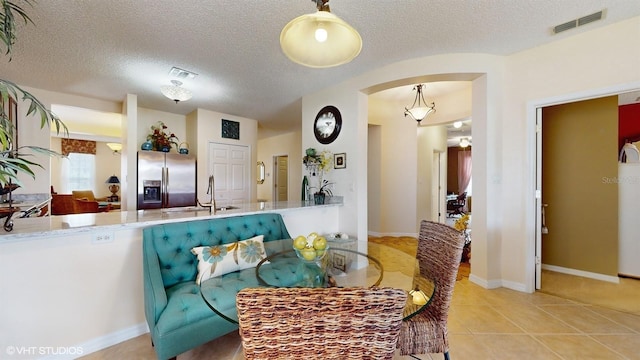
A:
(106, 49)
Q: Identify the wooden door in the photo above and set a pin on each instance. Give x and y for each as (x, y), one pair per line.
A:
(282, 178)
(579, 168)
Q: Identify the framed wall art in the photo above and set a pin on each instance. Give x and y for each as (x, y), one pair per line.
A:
(340, 161)
(230, 129)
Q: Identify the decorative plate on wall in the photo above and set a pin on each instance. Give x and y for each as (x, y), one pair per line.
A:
(327, 126)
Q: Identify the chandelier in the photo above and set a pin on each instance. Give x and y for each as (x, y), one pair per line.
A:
(321, 39)
(420, 109)
(175, 91)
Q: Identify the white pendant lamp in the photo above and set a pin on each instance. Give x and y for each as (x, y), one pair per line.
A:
(175, 91)
(320, 40)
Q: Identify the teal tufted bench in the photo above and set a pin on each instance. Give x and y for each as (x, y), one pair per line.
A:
(178, 317)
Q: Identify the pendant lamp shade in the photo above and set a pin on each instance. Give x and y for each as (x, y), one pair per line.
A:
(320, 40)
(420, 108)
(175, 91)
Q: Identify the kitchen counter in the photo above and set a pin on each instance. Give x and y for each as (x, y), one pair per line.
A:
(62, 225)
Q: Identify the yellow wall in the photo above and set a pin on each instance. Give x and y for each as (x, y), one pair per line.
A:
(285, 144)
(579, 153)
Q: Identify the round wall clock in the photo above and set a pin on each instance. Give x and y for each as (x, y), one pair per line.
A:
(327, 126)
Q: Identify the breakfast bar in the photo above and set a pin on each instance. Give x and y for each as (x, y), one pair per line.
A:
(85, 270)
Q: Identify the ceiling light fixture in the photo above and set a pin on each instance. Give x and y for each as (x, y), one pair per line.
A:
(457, 124)
(320, 40)
(115, 147)
(175, 92)
(464, 142)
(420, 111)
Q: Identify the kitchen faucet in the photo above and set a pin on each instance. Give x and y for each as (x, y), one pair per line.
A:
(211, 190)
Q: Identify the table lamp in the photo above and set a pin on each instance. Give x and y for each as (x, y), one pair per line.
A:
(114, 186)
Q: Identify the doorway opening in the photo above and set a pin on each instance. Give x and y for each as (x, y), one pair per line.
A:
(281, 178)
(576, 261)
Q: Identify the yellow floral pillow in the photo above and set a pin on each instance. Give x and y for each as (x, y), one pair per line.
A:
(225, 258)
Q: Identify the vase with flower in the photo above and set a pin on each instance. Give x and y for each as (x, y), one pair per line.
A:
(161, 140)
(462, 225)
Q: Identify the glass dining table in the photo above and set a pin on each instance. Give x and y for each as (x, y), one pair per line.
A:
(383, 266)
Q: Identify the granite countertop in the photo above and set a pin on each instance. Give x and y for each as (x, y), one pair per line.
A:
(36, 227)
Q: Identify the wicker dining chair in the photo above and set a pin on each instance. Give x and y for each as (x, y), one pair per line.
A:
(320, 323)
(439, 251)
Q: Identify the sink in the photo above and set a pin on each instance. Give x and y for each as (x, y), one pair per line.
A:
(224, 208)
(186, 208)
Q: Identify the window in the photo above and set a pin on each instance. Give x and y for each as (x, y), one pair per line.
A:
(78, 172)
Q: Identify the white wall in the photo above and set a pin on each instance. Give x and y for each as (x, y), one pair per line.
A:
(351, 181)
(175, 123)
(95, 290)
(572, 68)
(283, 144)
(502, 129)
(206, 125)
(430, 140)
(398, 168)
(374, 179)
(29, 132)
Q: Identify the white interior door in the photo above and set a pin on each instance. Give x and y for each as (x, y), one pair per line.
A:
(538, 201)
(229, 165)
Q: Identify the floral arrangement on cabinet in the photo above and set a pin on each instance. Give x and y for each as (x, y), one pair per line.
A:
(318, 164)
(160, 140)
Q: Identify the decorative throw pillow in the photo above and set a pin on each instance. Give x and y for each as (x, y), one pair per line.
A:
(225, 258)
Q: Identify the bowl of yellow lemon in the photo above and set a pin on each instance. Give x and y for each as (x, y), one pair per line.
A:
(312, 247)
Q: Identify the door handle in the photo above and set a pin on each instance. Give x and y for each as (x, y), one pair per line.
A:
(544, 229)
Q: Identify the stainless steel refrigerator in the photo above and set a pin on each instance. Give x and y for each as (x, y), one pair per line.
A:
(166, 180)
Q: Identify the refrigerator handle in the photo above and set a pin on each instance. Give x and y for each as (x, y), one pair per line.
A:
(165, 186)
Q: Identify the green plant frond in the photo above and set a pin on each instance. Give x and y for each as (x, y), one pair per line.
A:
(47, 117)
(8, 22)
(39, 150)
(6, 177)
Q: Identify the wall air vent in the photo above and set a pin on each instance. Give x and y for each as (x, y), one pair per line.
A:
(564, 27)
(590, 18)
(579, 22)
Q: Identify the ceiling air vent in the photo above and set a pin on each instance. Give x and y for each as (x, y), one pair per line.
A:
(578, 22)
(178, 73)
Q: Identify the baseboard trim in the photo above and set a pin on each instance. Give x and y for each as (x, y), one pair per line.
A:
(104, 342)
(494, 284)
(586, 274)
(377, 234)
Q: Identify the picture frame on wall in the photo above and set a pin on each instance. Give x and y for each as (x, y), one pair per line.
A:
(230, 129)
(340, 161)
(10, 108)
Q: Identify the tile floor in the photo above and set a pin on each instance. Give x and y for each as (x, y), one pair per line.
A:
(483, 324)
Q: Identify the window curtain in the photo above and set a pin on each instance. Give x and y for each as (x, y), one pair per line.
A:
(464, 170)
(77, 146)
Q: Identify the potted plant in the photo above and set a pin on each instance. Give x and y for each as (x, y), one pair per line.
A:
(161, 140)
(317, 165)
